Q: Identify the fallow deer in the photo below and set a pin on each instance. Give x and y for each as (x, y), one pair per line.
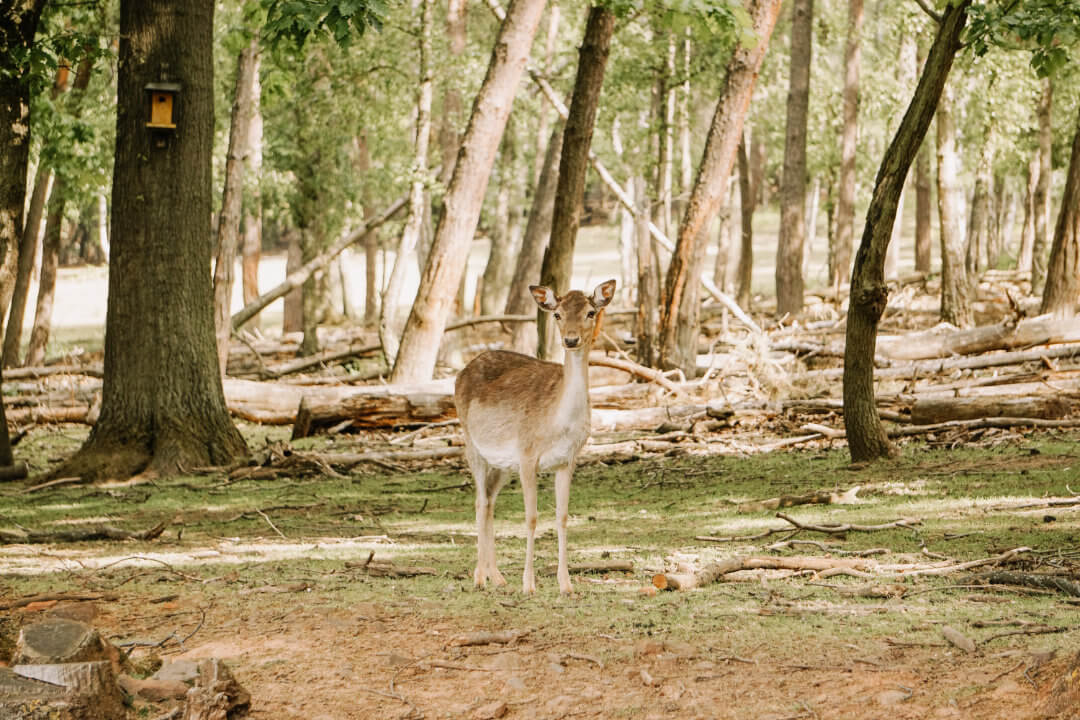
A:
(521, 413)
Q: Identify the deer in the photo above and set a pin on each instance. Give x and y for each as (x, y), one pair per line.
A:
(521, 413)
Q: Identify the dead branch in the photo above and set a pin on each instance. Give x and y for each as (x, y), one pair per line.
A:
(956, 567)
(634, 368)
(102, 532)
(297, 277)
(714, 571)
(595, 567)
(844, 528)
(387, 569)
(1045, 582)
(820, 497)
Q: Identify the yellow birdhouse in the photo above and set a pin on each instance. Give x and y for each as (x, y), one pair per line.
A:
(163, 105)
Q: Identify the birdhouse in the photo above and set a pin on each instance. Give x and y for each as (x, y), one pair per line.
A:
(162, 116)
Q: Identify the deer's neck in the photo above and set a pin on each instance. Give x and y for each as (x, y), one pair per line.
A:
(575, 382)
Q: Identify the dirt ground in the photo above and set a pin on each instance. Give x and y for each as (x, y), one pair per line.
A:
(307, 660)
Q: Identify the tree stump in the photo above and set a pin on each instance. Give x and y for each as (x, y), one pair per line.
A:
(216, 695)
(59, 640)
(66, 691)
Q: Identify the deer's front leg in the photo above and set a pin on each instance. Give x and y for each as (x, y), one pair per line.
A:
(528, 490)
(562, 515)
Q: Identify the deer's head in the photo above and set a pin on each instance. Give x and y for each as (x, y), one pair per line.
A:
(577, 314)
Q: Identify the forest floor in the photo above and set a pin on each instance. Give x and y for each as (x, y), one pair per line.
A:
(275, 575)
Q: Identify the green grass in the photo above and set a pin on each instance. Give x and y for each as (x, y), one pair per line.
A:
(648, 511)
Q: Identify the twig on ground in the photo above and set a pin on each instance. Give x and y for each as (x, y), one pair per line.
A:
(843, 529)
(271, 524)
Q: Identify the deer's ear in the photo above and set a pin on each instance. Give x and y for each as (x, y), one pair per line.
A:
(603, 293)
(544, 297)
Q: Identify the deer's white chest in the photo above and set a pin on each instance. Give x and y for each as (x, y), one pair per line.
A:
(569, 430)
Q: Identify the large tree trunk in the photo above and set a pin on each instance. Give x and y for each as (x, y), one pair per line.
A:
(232, 197)
(866, 436)
(1063, 278)
(923, 235)
(680, 310)
(955, 284)
(449, 252)
(840, 272)
(537, 231)
(1042, 191)
(50, 248)
(789, 250)
(389, 329)
(163, 409)
(744, 275)
(556, 270)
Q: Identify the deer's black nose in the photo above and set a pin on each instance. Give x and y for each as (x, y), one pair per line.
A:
(571, 342)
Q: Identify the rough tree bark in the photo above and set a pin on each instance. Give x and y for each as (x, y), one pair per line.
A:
(162, 408)
(1063, 271)
(679, 314)
(574, 163)
(840, 272)
(955, 284)
(789, 250)
(866, 436)
(537, 230)
(232, 197)
(1042, 191)
(449, 251)
(389, 330)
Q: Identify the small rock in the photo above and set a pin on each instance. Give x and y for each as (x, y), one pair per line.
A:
(647, 678)
(153, 690)
(491, 711)
(515, 683)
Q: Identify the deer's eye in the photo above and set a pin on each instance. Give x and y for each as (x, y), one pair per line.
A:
(592, 314)
(558, 316)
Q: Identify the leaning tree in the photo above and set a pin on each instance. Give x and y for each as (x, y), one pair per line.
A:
(163, 408)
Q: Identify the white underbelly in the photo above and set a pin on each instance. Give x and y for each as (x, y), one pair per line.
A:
(557, 452)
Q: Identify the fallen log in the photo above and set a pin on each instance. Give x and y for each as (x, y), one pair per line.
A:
(944, 343)
(714, 571)
(363, 408)
(927, 411)
(922, 368)
(102, 532)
